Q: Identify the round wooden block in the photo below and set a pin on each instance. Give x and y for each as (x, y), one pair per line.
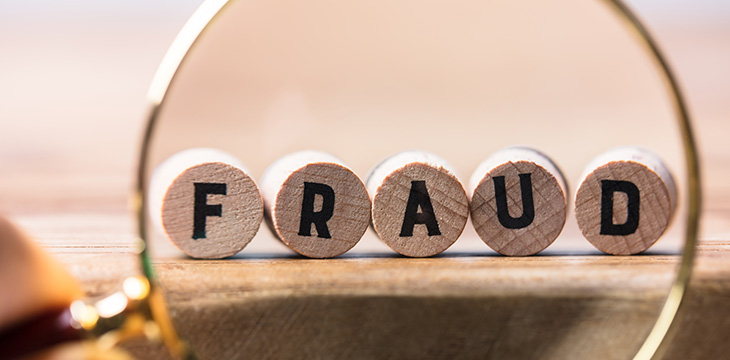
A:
(420, 208)
(315, 204)
(206, 203)
(518, 204)
(625, 201)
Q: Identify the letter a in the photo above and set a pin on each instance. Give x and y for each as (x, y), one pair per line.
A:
(419, 198)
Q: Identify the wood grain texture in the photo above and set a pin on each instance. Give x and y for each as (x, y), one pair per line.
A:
(465, 305)
(650, 187)
(315, 204)
(420, 208)
(183, 197)
(547, 201)
(435, 308)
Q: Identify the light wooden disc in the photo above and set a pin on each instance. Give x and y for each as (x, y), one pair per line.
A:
(607, 184)
(210, 207)
(285, 186)
(518, 232)
(392, 183)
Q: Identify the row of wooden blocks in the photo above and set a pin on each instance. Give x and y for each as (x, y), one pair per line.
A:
(210, 207)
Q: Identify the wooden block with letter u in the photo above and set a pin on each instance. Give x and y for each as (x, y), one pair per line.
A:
(518, 204)
(315, 204)
(625, 201)
(420, 208)
(206, 203)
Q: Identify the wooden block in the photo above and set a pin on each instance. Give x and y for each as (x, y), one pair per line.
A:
(206, 203)
(315, 204)
(625, 201)
(518, 203)
(420, 208)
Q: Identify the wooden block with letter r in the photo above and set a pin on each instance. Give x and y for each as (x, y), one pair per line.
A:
(206, 203)
(625, 201)
(518, 203)
(420, 208)
(315, 204)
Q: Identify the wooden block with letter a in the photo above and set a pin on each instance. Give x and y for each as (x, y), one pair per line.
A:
(315, 204)
(206, 203)
(420, 208)
(625, 201)
(518, 204)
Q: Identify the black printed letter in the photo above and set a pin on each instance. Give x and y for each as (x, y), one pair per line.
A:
(528, 207)
(608, 188)
(202, 210)
(419, 198)
(319, 218)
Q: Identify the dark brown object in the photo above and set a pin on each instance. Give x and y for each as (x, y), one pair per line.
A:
(49, 328)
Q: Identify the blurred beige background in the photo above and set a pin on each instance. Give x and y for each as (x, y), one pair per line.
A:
(74, 76)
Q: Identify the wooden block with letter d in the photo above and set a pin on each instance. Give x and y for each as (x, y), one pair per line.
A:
(518, 204)
(315, 204)
(420, 208)
(625, 201)
(206, 203)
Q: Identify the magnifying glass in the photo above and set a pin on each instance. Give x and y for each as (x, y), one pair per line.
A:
(461, 80)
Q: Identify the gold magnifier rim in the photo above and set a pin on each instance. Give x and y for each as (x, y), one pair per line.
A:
(666, 323)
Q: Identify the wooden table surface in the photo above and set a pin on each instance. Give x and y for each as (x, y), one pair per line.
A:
(72, 117)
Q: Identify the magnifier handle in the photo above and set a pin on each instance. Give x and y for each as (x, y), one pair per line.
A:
(49, 328)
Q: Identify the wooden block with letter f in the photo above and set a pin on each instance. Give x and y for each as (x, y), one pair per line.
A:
(420, 208)
(206, 203)
(315, 204)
